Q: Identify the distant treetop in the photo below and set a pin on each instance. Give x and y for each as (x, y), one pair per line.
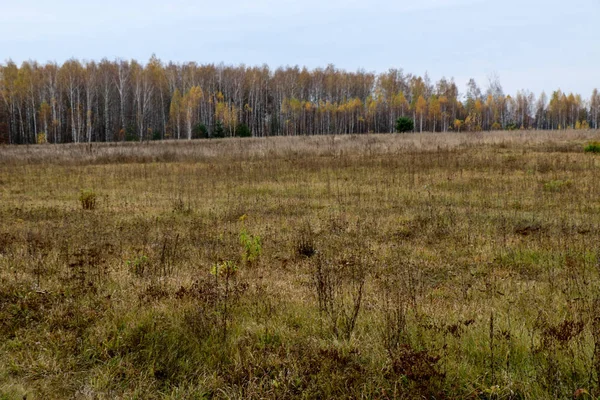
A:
(126, 100)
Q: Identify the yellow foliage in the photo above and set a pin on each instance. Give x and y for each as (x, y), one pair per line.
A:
(175, 108)
(478, 106)
(457, 124)
(421, 105)
(227, 113)
(41, 138)
(434, 106)
(582, 125)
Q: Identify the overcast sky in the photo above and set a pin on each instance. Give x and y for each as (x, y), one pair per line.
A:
(536, 45)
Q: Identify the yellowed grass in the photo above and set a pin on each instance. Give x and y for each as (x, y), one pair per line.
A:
(358, 145)
(486, 244)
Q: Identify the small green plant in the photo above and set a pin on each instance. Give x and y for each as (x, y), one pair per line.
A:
(593, 147)
(251, 243)
(228, 292)
(404, 124)
(139, 265)
(226, 269)
(87, 198)
(557, 185)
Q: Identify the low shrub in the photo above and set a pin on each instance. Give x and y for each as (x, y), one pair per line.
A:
(87, 198)
(593, 147)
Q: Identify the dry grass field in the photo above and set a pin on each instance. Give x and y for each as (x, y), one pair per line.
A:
(375, 266)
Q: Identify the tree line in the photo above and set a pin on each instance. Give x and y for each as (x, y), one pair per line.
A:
(126, 100)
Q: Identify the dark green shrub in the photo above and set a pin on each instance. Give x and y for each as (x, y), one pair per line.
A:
(200, 131)
(593, 147)
(218, 130)
(4, 139)
(131, 134)
(242, 130)
(404, 124)
(156, 135)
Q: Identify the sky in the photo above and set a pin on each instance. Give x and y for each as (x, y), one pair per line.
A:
(528, 44)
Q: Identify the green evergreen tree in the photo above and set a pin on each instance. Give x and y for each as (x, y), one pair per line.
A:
(242, 130)
(218, 130)
(404, 124)
(199, 131)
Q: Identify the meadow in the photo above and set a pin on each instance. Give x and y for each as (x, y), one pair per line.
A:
(417, 266)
